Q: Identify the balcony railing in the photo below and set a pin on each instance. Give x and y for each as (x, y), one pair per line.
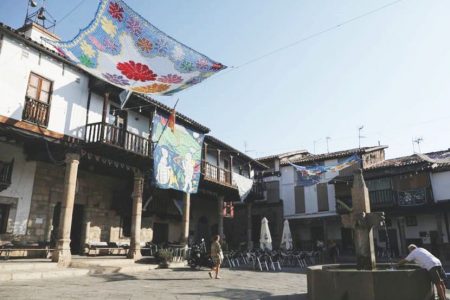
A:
(216, 174)
(36, 112)
(5, 174)
(257, 192)
(118, 137)
(382, 198)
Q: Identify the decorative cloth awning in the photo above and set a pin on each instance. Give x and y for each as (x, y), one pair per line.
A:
(311, 175)
(123, 48)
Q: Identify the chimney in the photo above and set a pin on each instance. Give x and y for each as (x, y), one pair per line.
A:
(35, 32)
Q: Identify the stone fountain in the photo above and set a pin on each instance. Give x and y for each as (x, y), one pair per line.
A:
(366, 280)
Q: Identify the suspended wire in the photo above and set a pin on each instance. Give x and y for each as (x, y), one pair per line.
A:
(70, 12)
(309, 37)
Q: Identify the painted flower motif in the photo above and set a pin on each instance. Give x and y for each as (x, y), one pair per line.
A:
(144, 44)
(116, 11)
(96, 43)
(136, 71)
(86, 61)
(195, 80)
(108, 27)
(187, 66)
(206, 74)
(117, 79)
(152, 88)
(217, 66)
(178, 53)
(203, 64)
(87, 49)
(134, 26)
(170, 78)
(162, 47)
(109, 44)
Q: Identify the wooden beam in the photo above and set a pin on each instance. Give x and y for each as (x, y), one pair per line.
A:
(30, 127)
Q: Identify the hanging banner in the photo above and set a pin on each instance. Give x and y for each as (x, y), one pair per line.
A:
(311, 175)
(123, 48)
(177, 156)
(243, 184)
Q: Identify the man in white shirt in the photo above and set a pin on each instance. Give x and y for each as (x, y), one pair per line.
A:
(429, 262)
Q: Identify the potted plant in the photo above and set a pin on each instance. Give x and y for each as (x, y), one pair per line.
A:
(164, 257)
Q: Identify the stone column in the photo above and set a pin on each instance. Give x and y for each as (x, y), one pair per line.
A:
(186, 216)
(220, 216)
(136, 217)
(62, 254)
(249, 226)
(363, 235)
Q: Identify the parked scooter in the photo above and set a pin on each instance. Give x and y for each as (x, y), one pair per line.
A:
(199, 256)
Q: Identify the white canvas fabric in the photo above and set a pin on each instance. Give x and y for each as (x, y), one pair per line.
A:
(244, 185)
(423, 258)
(265, 239)
(286, 239)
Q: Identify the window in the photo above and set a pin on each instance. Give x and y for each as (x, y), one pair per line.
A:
(37, 100)
(299, 192)
(411, 221)
(4, 215)
(39, 88)
(322, 197)
(226, 164)
(273, 191)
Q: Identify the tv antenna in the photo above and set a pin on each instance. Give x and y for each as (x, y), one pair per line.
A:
(360, 128)
(417, 141)
(328, 138)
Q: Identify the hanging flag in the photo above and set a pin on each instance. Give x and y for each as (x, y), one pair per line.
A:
(123, 97)
(243, 184)
(176, 155)
(172, 120)
(122, 48)
(311, 175)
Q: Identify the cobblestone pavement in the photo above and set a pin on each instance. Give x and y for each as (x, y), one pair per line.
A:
(164, 284)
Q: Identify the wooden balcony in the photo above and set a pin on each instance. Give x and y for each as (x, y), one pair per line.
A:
(257, 192)
(119, 138)
(5, 174)
(36, 112)
(217, 174)
(382, 198)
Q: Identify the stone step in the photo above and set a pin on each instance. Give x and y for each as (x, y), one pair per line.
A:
(41, 274)
(22, 265)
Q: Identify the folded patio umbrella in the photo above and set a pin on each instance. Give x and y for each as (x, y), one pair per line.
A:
(286, 240)
(265, 239)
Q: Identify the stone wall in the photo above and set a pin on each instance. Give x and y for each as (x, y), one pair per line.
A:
(101, 222)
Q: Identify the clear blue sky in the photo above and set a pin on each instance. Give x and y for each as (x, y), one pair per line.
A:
(389, 71)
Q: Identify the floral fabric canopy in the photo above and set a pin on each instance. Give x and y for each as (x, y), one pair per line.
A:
(123, 48)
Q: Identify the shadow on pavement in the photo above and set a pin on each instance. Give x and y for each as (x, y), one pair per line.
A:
(233, 294)
(287, 297)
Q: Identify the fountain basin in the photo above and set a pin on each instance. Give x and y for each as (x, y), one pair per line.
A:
(345, 282)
